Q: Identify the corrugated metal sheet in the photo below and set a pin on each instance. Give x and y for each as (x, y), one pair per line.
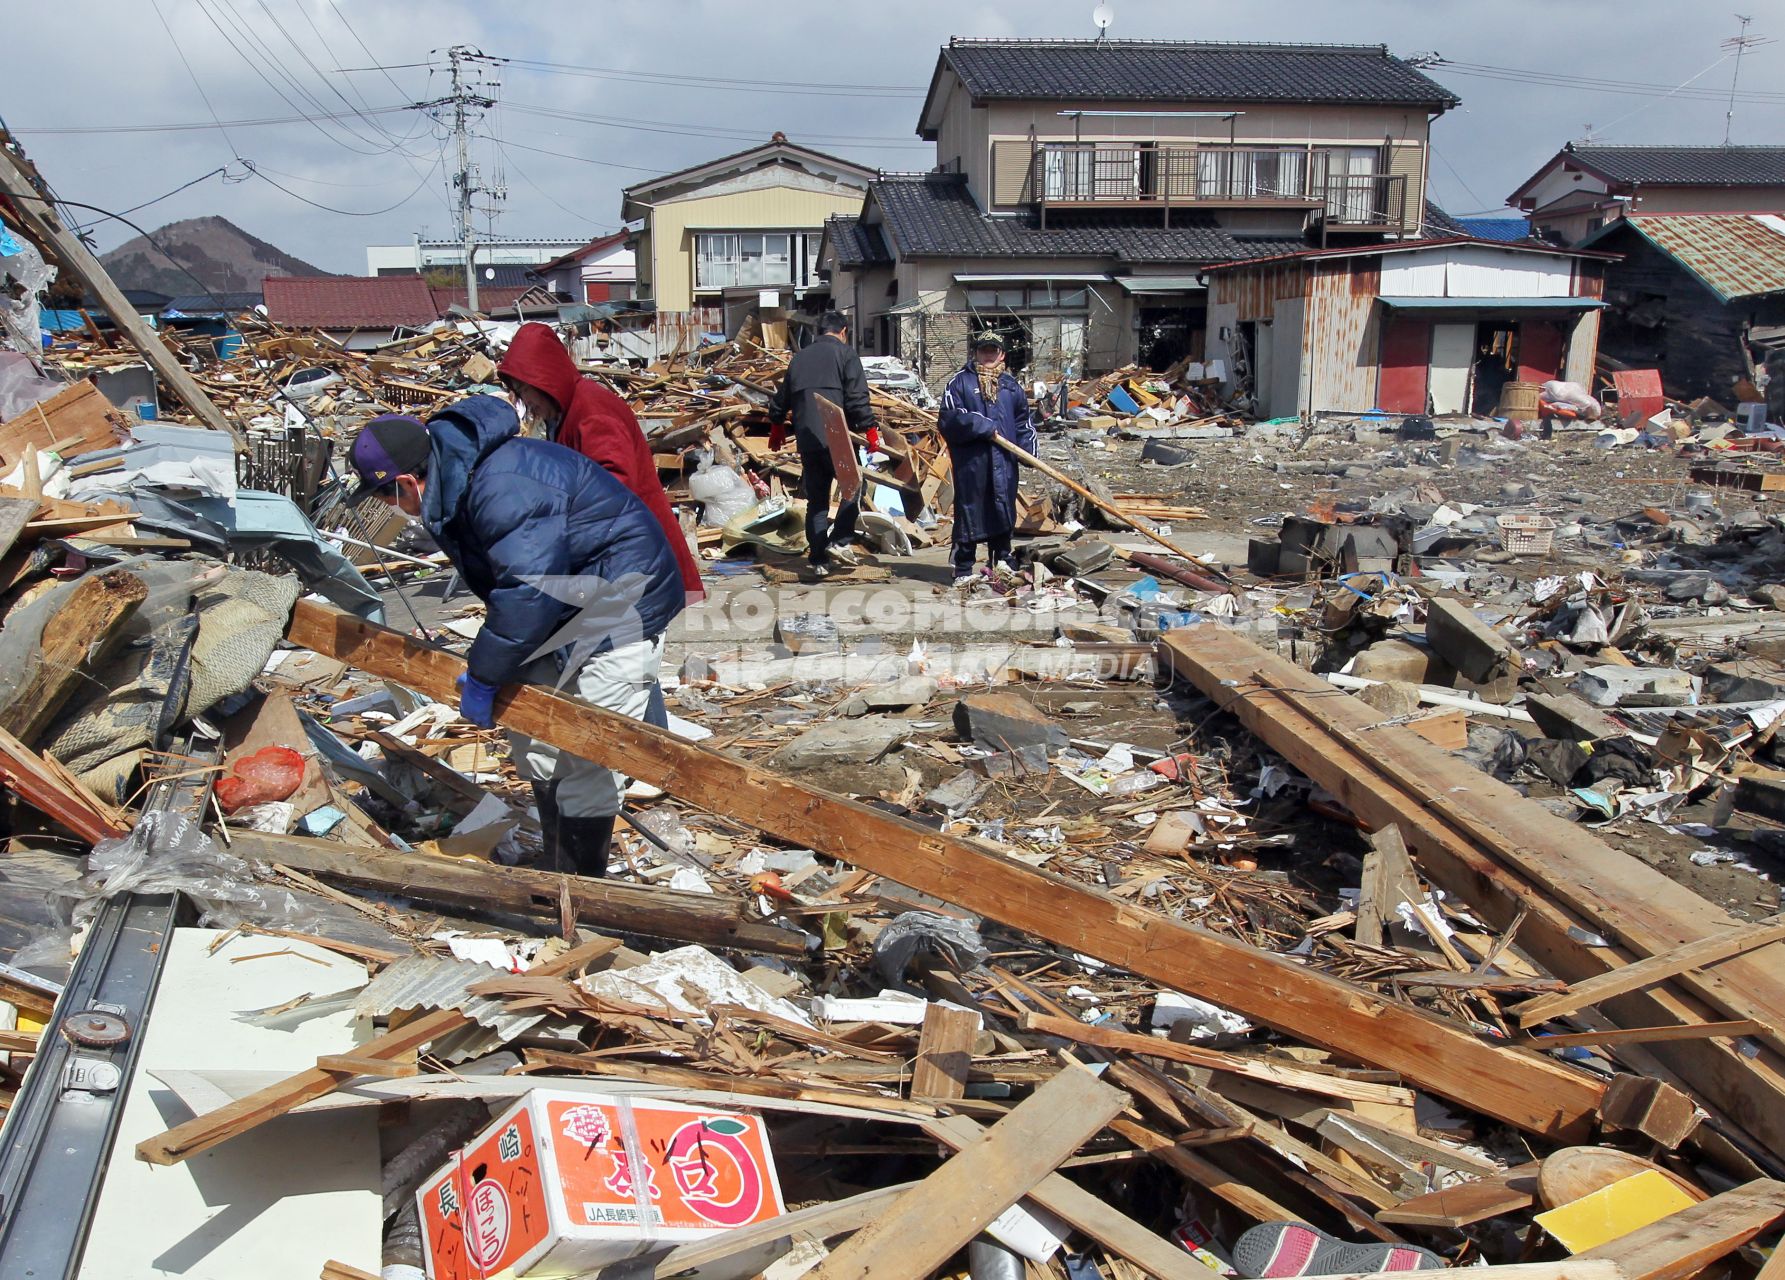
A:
(1255, 293)
(1339, 343)
(424, 982)
(1738, 255)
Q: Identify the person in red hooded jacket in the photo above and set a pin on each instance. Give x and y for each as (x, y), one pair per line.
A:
(581, 414)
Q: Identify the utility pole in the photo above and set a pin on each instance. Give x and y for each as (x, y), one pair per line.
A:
(468, 101)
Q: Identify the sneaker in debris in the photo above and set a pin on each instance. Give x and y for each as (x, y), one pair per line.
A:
(965, 579)
(821, 571)
(1275, 1250)
(844, 553)
(1006, 577)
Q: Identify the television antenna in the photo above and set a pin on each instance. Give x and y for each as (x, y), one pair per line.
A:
(1738, 44)
(1101, 17)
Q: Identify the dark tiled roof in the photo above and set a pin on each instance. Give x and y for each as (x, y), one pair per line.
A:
(1189, 71)
(1440, 224)
(1686, 166)
(933, 215)
(349, 302)
(855, 245)
(201, 304)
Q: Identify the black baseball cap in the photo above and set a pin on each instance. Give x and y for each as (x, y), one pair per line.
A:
(989, 338)
(390, 445)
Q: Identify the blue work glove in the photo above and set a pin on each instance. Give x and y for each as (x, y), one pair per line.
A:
(477, 701)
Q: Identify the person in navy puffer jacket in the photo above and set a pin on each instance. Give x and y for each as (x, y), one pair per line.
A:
(578, 582)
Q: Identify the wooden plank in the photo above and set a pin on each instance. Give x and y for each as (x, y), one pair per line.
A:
(1484, 844)
(80, 635)
(83, 266)
(1646, 1035)
(919, 1230)
(842, 450)
(944, 1052)
(1204, 1173)
(1683, 1243)
(1389, 880)
(46, 786)
(1652, 969)
(1521, 1089)
(1289, 1077)
(820, 1221)
(201, 1133)
(1096, 1218)
(359, 1064)
(1471, 1202)
(710, 919)
(79, 419)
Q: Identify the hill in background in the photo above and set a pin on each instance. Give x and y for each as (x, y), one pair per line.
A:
(218, 252)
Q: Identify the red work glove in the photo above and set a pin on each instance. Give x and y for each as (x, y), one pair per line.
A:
(873, 434)
(777, 436)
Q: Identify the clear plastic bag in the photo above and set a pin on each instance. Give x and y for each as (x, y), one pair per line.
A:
(723, 494)
(168, 853)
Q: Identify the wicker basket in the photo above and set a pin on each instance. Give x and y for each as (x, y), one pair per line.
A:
(1525, 533)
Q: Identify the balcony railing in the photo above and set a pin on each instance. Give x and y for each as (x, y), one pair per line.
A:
(1102, 174)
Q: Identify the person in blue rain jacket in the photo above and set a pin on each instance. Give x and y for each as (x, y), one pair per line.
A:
(981, 402)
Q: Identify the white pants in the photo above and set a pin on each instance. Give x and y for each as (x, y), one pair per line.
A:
(619, 679)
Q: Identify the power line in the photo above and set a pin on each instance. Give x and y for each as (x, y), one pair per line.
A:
(349, 213)
(191, 126)
(582, 217)
(1559, 80)
(691, 130)
(812, 87)
(221, 169)
(605, 164)
(119, 217)
(196, 83)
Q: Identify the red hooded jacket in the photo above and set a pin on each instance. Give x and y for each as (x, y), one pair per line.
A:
(601, 426)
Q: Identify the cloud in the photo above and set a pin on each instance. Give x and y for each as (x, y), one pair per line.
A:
(251, 69)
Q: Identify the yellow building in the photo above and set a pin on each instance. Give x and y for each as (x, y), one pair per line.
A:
(719, 236)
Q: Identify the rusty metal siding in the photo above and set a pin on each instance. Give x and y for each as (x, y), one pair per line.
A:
(1340, 341)
(1255, 292)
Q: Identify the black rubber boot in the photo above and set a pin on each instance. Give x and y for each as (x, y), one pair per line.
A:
(583, 844)
(545, 797)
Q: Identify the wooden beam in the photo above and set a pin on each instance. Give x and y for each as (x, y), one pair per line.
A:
(83, 266)
(1484, 844)
(1204, 1173)
(201, 1133)
(919, 1230)
(1646, 1035)
(1471, 1202)
(714, 920)
(1683, 1243)
(360, 1065)
(1289, 1077)
(1521, 1089)
(944, 1052)
(82, 632)
(1388, 880)
(1646, 972)
(1096, 1218)
(42, 782)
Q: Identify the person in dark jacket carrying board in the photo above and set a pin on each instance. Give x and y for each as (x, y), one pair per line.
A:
(829, 368)
(980, 402)
(577, 579)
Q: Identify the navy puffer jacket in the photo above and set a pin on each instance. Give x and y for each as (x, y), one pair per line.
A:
(556, 548)
(985, 476)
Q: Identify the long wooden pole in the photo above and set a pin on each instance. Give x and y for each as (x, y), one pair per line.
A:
(36, 211)
(1110, 509)
(1520, 1088)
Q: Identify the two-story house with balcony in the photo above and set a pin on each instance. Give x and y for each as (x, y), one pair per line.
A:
(1082, 189)
(1586, 186)
(718, 238)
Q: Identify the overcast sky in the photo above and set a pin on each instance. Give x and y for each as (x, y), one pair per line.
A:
(657, 87)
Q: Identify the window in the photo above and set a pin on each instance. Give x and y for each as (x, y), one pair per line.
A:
(1348, 177)
(753, 259)
(1055, 296)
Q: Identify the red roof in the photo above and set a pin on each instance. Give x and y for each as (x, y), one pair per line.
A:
(577, 255)
(349, 302)
(490, 297)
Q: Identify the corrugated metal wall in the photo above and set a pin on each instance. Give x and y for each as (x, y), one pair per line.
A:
(1011, 171)
(1407, 159)
(1339, 339)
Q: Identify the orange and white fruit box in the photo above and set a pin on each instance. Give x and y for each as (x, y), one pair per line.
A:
(564, 1182)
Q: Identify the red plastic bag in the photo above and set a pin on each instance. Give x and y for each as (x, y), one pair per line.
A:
(272, 773)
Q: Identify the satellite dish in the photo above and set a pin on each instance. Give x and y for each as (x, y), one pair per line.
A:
(1102, 16)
